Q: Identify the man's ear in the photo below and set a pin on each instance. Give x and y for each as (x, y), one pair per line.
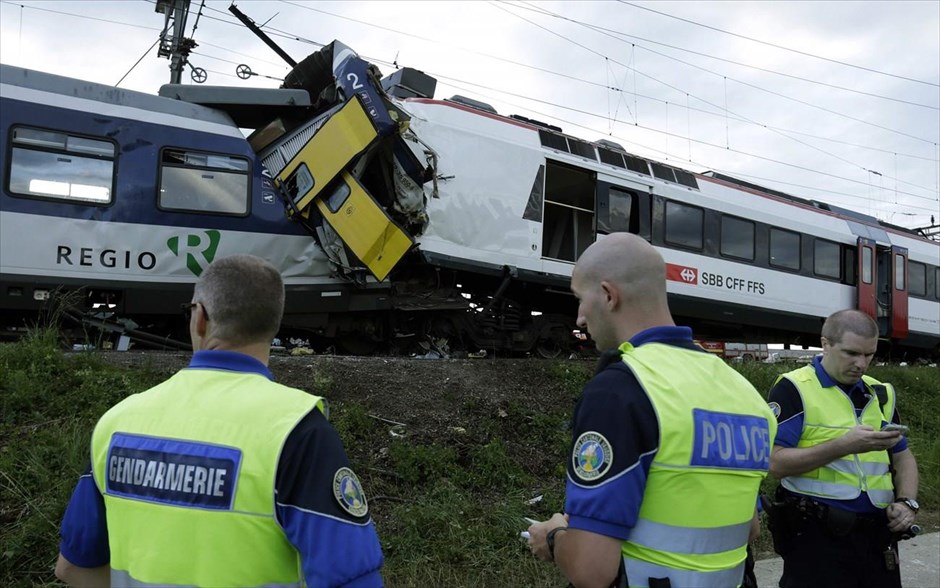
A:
(202, 325)
(611, 294)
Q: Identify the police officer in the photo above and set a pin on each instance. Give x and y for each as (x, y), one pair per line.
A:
(219, 476)
(670, 444)
(840, 504)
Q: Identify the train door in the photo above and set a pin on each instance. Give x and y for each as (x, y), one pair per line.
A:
(897, 313)
(882, 287)
(867, 299)
(569, 205)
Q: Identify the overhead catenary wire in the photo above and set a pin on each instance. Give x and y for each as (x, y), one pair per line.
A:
(380, 27)
(539, 9)
(285, 34)
(611, 33)
(535, 68)
(842, 159)
(137, 62)
(884, 73)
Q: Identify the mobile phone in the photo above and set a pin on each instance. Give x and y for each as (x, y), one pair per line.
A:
(895, 427)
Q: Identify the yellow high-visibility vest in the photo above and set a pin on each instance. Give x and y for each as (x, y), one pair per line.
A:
(715, 437)
(187, 471)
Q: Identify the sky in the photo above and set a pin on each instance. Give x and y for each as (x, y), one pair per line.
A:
(833, 101)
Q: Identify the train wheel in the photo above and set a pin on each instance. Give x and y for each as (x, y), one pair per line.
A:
(551, 343)
(549, 349)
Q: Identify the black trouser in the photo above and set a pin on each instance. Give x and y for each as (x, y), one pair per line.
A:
(856, 560)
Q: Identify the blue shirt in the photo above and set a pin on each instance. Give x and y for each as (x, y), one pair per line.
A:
(305, 505)
(790, 422)
(615, 406)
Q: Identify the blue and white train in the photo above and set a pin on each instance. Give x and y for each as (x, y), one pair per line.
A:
(396, 217)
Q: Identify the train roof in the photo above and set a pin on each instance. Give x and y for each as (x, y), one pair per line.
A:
(45, 82)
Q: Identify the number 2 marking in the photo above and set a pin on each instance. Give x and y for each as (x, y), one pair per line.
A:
(355, 80)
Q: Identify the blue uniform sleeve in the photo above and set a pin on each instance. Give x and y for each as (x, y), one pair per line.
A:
(85, 527)
(323, 510)
(616, 435)
(787, 405)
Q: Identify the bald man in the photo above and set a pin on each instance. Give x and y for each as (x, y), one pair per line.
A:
(670, 444)
(834, 460)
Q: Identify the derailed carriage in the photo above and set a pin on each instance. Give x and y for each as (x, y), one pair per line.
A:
(397, 218)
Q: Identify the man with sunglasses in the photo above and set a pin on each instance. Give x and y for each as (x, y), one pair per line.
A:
(219, 476)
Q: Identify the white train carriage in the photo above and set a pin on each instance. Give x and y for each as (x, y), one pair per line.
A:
(394, 214)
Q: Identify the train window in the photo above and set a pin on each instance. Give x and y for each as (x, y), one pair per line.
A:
(203, 182)
(784, 249)
(684, 225)
(866, 265)
(611, 157)
(637, 164)
(339, 196)
(582, 148)
(685, 178)
(936, 283)
(553, 140)
(663, 172)
(899, 272)
(568, 222)
(917, 279)
(50, 164)
(826, 259)
(849, 265)
(737, 238)
(618, 217)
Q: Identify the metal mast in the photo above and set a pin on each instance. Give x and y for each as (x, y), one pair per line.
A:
(173, 44)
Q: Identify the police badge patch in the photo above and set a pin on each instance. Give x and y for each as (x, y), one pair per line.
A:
(592, 456)
(348, 493)
(774, 408)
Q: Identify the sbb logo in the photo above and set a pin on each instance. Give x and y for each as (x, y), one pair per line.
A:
(681, 273)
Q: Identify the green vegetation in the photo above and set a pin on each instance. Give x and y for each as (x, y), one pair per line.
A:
(448, 500)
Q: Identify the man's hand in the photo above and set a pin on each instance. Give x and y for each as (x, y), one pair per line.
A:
(538, 544)
(900, 517)
(863, 439)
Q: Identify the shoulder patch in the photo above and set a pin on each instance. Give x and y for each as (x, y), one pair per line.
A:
(592, 456)
(348, 492)
(774, 408)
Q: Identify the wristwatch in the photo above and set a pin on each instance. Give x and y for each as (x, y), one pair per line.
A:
(909, 502)
(550, 539)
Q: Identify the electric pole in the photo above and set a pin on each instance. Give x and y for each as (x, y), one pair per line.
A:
(173, 44)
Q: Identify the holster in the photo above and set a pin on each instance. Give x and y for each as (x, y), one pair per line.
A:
(782, 522)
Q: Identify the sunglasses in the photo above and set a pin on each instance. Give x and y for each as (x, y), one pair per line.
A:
(187, 308)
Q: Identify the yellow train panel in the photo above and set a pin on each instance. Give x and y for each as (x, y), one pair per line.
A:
(368, 231)
(342, 137)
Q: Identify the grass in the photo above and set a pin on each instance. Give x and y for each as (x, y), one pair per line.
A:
(448, 507)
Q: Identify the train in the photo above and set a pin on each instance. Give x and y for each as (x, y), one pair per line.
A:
(400, 220)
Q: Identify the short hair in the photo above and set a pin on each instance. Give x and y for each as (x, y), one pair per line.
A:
(849, 321)
(244, 297)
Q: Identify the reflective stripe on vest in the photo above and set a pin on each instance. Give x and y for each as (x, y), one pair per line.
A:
(665, 537)
(715, 437)
(845, 478)
(640, 572)
(187, 472)
(122, 579)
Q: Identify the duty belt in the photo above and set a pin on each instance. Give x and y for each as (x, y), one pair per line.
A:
(839, 521)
